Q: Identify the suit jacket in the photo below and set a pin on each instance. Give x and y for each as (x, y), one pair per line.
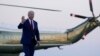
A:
(29, 36)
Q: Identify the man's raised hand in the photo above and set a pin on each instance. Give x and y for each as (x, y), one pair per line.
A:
(23, 19)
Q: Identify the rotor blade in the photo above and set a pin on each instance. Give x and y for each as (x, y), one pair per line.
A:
(91, 7)
(79, 16)
(30, 7)
(98, 16)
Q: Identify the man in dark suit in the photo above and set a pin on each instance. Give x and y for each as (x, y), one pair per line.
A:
(30, 34)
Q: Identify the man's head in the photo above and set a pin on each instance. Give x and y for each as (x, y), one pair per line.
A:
(31, 14)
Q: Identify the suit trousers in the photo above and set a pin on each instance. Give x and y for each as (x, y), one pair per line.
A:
(29, 49)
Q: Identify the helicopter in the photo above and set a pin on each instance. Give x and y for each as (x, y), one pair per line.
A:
(12, 47)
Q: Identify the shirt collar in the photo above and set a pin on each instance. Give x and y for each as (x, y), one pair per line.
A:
(30, 21)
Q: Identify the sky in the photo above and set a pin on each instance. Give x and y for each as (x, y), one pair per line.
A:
(10, 17)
